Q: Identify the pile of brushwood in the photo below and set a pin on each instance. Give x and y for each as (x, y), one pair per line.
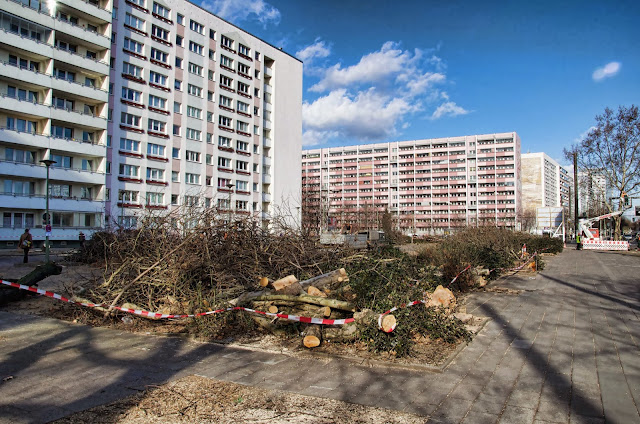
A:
(214, 265)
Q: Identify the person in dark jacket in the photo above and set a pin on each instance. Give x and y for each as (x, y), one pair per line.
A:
(25, 243)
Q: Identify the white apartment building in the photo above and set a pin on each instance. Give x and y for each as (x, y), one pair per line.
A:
(593, 191)
(54, 67)
(202, 114)
(430, 186)
(544, 182)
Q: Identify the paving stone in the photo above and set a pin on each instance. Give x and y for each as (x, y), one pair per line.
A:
(480, 418)
(552, 412)
(451, 410)
(517, 415)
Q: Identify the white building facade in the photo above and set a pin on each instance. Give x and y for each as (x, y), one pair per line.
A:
(430, 186)
(54, 68)
(545, 183)
(201, 113)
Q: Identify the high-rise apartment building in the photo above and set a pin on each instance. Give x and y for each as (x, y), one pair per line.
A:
(430, 186)
(54, 67)
(202, 114)
(544, 182)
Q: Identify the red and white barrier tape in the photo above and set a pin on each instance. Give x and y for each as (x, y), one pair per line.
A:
(307, 320)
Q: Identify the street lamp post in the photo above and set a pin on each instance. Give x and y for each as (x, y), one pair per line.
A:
(47, 223)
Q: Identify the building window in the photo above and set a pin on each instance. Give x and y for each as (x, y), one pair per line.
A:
(242, 126)
(175, 177)
(243, 88)
(175, 153)
(133, 46)
(179, 41)
(212, 34)
(131, 94)
(209, 159)
(132, 171)
(155, 199)
(195, 26)
(196, 48)
(224, 162)
(159, 55)
(194, 90)
(130, 119)
(224, 121)
(194, 134)
(158, 79)
(194, 112)
(177, 84)
(157, 102)
(191, 178)
(155, 174)
(195, 69)
(244, 50)
(179, 62)
(193, 156)
(224, 141)
(226, 62)
(161, 11)
(177, 107)
(226, 42)
(227, 82)
(134, 21)
(128, 145)
(155, 150)
(180, 19)
(243, 107)
(133, 70)
(242, 166)
(176, 129)
(157, 126)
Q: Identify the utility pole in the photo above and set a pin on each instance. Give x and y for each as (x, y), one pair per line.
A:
(575, 192)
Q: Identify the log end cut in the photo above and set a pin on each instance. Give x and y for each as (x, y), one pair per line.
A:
(388, 323)
(311, 342)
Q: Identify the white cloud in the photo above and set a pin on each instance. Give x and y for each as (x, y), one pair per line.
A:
(241, 10)
(372, 68)
(607, 71)
(375, 98)
(448, 109)
(367, 115)
(316, 50)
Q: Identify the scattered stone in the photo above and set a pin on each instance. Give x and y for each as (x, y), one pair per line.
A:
(463, 317)
(441, 297)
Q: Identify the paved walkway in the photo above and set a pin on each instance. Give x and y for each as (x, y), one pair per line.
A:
(565, 350)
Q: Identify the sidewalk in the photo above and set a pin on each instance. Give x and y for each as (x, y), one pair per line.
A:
(564, 350)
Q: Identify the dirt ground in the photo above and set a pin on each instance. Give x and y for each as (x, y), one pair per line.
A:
(203, 400)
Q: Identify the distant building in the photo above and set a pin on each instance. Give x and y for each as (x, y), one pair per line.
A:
(430, 186)
(544, 182)
(592, 194)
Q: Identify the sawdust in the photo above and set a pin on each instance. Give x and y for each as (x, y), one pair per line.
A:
(203, 400)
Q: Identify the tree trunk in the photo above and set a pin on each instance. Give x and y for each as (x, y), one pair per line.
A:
(303, 298)
(328, 280)
(10, 294)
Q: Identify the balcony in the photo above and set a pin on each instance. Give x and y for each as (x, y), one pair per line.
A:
(38, 202)
(80, 89)
(266, 197)
(26, 43)
(83, 33)
(266, 178)
(266, 124)
(79, 118)
(90, 9)
(26, 107)
(23, 74)
(267, 142)
(81, 61)
(40, 17)
(266, 160)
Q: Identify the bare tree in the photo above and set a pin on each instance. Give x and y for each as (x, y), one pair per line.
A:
(612, 150)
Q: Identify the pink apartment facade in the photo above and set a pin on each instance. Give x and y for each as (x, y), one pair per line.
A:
(430, 186)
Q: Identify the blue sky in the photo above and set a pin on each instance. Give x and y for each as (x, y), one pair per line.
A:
(383, 71)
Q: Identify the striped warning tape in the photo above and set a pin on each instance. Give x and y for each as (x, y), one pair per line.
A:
(158, 315)
(307, 320)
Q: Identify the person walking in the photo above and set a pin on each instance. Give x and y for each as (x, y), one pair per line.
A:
(25, 243)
